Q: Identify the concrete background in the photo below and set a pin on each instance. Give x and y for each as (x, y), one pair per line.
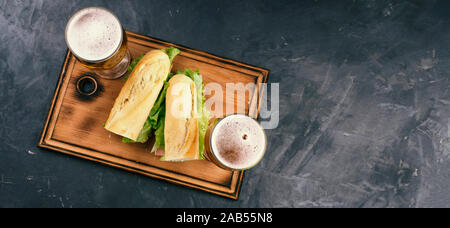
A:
(364, 102)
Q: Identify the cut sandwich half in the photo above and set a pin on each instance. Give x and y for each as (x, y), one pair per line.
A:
(181, 123)
(180, 137)
(138, 97)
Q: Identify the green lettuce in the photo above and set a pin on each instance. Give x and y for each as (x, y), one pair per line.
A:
(143, 135)
(134, 62)
(203, 126)
(159, 133)
(159, 125)
(171, 52)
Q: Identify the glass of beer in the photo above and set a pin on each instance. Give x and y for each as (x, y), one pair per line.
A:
(96, 38)
(235, 142)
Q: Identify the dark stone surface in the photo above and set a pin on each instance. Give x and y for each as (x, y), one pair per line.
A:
(364, 100)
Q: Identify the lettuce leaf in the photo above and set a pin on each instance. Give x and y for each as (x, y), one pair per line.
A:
(156, 111)
(203, 122)
(159, 133)
(159, 124)
(134, 62)
(171, 52)
(143, 135)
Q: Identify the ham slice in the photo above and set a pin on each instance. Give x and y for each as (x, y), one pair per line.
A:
(159, 152)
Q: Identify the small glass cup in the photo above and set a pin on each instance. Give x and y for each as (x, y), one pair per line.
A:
(96, 38)
(213, 137)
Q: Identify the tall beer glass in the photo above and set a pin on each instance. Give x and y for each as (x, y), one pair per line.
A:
(96, 38)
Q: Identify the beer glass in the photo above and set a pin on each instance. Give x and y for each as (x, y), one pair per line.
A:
(96, 38)
(235, 142)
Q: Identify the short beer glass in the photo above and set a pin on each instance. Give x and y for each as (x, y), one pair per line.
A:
(96, 38)
(235, 142)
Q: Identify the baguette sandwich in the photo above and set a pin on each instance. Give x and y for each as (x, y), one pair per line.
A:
(140, 96)
(181, 122)
(181, 136)
(172, 107)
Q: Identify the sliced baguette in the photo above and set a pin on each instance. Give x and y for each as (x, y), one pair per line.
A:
(181, 133)
(138, 95)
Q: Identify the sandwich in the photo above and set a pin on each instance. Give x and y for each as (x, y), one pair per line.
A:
(170, 106)
(136, 109)
(182, 134)
(181, 122)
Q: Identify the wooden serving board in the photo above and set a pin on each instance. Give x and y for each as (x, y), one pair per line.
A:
(74, 122)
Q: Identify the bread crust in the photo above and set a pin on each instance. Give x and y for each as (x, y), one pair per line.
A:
(181, 131)
(138, 95)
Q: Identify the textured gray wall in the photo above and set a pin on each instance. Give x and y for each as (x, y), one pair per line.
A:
(364, 102)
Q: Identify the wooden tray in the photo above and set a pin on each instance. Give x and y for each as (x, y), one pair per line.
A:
(74, 122)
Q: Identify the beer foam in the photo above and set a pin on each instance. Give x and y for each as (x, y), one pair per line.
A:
(238, 142)
(93, 34)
